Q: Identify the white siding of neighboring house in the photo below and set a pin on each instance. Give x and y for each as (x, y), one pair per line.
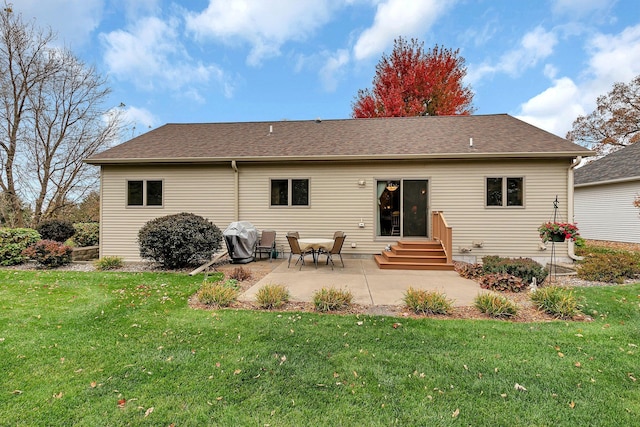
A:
(338, 202)
(606, 212)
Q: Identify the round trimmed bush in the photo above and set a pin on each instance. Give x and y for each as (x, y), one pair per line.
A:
(49, 253)
(180, 240)
(58, 230)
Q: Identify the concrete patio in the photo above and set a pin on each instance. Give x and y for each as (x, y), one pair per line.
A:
(368, 284)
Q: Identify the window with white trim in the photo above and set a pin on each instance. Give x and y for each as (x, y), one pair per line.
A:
(290, 192)
(504, 192)
(144, 193)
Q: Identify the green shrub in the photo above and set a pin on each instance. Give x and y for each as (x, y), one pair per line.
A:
(556, 301)
(58, 230)
(179, 240)
(272, 296)
(586, 250)
(13, 241)
(496, 305)
(240, 274)
(579, 242)
(610, 266)
(524, 268)
(502, 282)
(427, 302)
(332, 299)
(87, 234)
(109, 263)
(217, 294)
(469, 271)
(49, 253)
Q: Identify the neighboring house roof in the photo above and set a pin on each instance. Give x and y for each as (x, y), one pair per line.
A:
(621, 165)
(381, 138)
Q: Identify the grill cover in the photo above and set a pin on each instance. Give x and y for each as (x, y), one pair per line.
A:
(241, 238)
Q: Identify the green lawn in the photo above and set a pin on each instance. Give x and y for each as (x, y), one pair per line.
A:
(115, 349)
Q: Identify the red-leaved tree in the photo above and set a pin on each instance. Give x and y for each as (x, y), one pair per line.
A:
(415, 82)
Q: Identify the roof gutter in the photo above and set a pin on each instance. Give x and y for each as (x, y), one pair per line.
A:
(610, 181)
(344, 157)
(570, 245)
(236, 192)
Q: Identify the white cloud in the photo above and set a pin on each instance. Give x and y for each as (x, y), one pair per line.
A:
(613, 58)
(475, 37)
(265, 25)
(333, 69)
(555, 109)
(580, 8)
(72, 20)
(140, 119)
(535, 46)
(397, 18)
(152, 56)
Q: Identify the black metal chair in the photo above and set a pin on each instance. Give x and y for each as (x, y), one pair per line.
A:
(267, 243)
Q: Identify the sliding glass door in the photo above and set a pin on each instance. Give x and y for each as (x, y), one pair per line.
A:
(402, 207)
(414, 208)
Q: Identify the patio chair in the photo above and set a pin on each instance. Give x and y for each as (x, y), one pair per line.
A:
(335, 250)
(294, 234)
(267, 243)
(337, 233)
(295, 250)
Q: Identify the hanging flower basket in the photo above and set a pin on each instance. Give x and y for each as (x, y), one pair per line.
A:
(558, 231)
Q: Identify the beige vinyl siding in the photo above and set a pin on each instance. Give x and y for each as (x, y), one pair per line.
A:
(606, 212)
(203, 190)
(338, 202)
(505, 231)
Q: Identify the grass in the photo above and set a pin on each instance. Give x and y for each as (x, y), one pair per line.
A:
(110, 348)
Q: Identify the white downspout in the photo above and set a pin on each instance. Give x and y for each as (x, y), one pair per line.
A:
(236, 191)
(570, 246)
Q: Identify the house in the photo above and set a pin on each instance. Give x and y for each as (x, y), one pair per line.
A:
(494, 178)
(605, 190)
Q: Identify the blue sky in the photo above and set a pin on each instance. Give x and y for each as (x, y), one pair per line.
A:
(543, 61)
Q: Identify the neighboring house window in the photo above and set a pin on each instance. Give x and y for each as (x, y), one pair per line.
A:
(144, 193)
(505, 191)
(289, 192)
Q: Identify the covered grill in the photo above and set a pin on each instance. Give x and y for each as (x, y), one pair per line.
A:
(241, 238)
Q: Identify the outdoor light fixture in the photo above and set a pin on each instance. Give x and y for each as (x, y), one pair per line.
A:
(392, 186)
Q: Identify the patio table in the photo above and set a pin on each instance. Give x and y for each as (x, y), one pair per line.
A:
(315, 244)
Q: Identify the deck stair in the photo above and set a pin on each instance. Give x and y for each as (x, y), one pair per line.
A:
(414, 255)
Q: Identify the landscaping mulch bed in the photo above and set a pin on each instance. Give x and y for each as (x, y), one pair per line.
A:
(527, 312)
(258, 270)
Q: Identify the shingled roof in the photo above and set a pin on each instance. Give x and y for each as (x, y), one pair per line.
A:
(350, 139)
(620, 165)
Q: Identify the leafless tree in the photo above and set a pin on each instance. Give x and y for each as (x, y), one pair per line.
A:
(614, 124)
(52, 117)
